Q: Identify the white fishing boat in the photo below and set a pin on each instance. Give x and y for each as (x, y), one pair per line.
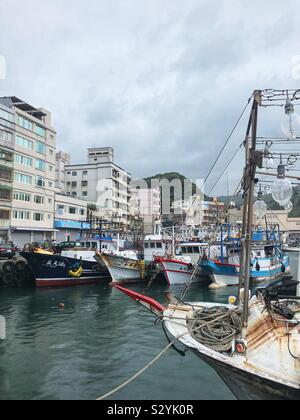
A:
(123, 266)
(178, 270)
(263, 365)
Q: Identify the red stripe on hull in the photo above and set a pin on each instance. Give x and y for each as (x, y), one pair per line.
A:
(171, 261)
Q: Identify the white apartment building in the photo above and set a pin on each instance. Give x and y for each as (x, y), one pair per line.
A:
(102, 183)
(147, 205)
(61, 161)
(27, 175)
(70, 217)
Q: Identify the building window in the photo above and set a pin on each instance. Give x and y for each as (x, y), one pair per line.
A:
(24, 179)
(6, 115)
(40, 131)
(74, 173)
(5, 193)
(4, 215)
(23, 160)
(74, 184)
(50, 200)
(50, 168)
(6, 137)
(72, 210)
(84, 173)
(20, 196)
(6, 155)
(84, 194)
(40, 148)
(68, 184)
(82, 212)
(21, 215)
(38, 217)
(74, 194)
(21, 141)
(50, 185)
(84, 183)
(5, 174)
(38, 199)
(40, 164)
(24, 122)
(40, 181)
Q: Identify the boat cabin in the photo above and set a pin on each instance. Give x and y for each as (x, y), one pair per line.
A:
(156, 246)
(193, 250)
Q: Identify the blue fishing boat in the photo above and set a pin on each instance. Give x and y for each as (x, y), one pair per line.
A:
(268, 262)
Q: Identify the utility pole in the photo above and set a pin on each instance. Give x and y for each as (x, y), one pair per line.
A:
(249, 188)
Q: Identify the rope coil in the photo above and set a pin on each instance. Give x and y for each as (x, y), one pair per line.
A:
(216, 328)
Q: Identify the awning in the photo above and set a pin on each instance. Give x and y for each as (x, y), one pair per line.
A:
(33, 229)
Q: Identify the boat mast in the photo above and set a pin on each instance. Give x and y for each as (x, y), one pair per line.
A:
(248, 212)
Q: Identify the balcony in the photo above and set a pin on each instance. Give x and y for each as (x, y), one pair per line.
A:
(6, 156)
(6, 173)
(5, 193)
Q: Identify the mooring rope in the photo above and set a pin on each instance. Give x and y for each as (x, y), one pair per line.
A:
(217, 336)
(190, 331)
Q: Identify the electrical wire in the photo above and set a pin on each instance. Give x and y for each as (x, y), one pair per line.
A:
(229, 163)
(228, 139)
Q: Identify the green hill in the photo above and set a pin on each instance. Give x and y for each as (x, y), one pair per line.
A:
(171, 176)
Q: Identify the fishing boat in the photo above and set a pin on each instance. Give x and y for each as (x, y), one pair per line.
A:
(262, 363)
(268, 261)
(178, 270)
(123, 266)
(52, 270)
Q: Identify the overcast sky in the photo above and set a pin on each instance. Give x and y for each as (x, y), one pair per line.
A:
(162, 81)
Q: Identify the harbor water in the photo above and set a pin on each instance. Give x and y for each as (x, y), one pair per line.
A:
(100, 339)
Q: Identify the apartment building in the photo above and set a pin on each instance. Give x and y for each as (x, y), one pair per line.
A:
(27, 177)
(146, 203)
(102, 183)
(61, 161)
(7, 128)
(70, 217)
(213, 212)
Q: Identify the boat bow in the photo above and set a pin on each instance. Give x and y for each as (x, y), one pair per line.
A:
(150, 304)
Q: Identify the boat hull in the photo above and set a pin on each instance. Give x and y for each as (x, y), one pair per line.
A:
(122, 270)
(223, 275)
(249, 387)
(177, 272)
(53, 270)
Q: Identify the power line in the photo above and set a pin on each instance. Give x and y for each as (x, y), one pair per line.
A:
(229, 163)
(228, 139)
